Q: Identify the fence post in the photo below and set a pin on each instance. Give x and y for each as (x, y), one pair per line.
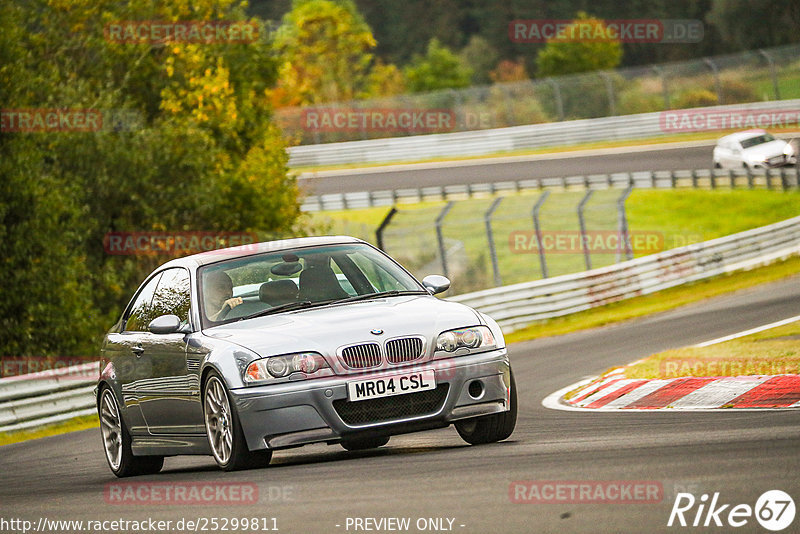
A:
(664, 90)
(492, 251)
(612, 108)
(622, 223)
(717, 85)
(538, 229)
(557, 95)
(582, 224)
(382, 227)
(772, 72)
(440, 237)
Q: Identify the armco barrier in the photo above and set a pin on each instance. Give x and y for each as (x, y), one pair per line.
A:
(32, 400)
(481, 142)
(777, 178)
(518, 305)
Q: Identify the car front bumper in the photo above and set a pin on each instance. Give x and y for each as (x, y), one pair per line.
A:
(318, 410)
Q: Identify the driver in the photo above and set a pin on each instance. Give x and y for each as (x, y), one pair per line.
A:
(218, 291)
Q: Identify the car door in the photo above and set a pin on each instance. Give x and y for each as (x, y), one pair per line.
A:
(125, 352)
(169, 399)
(736, 155)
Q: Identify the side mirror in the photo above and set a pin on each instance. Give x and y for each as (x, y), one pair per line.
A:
(436, 283)
(165, 324)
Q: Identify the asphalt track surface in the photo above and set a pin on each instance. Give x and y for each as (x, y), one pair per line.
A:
(484, 171)
(435, 475)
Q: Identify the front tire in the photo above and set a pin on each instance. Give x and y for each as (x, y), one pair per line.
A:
(490, 428)
(224, 431)
(117, 441)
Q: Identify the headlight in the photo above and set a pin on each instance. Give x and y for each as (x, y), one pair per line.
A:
(788, 150)
(475, 337)
(282, 366)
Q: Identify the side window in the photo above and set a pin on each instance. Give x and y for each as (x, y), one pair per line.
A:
(141, 313)
(172, 295)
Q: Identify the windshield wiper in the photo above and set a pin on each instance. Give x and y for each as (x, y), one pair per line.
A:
(281, 307)
(369, 296)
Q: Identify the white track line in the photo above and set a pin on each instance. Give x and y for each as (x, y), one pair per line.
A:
(554, 402)
(748, 332)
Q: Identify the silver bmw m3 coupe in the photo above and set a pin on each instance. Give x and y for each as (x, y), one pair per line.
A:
(242, 351)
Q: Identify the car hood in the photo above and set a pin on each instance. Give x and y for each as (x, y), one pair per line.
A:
(766, 150)
(327, 328)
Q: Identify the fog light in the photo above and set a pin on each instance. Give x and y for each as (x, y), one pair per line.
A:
(475, 389)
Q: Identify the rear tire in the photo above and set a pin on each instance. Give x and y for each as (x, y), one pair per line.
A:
(490, 428)
(363, 444)
(117, 441)
(224, 431)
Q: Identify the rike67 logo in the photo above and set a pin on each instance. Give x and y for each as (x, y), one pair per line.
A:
(774, 510)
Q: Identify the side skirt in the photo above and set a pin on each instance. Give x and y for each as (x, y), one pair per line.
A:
(170, 445)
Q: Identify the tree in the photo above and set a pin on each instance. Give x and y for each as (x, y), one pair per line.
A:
(204, 156)
(749, 24)
(438, 69)
(565, 56)
(509, 71)
(481, 57)
(325, 53)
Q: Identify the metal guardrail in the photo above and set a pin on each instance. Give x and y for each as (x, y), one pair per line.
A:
(482, 142)
(33, 400)
(518, 305)
(779, 178)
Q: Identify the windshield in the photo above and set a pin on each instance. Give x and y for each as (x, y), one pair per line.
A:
(757, 140)
(238, 288)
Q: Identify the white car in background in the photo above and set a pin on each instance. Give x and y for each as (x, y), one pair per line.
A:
(753, 149)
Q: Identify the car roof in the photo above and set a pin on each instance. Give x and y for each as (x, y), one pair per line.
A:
(738, 136)
(213, 256)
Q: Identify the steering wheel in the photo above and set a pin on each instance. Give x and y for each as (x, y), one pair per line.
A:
(226, 309)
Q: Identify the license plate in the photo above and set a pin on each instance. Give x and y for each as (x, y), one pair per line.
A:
(778, 159)
(386, 386)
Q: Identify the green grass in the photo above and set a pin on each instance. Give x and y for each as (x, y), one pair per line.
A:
(788, 85)
(771, 352)
(674, 217)
(72, 425)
